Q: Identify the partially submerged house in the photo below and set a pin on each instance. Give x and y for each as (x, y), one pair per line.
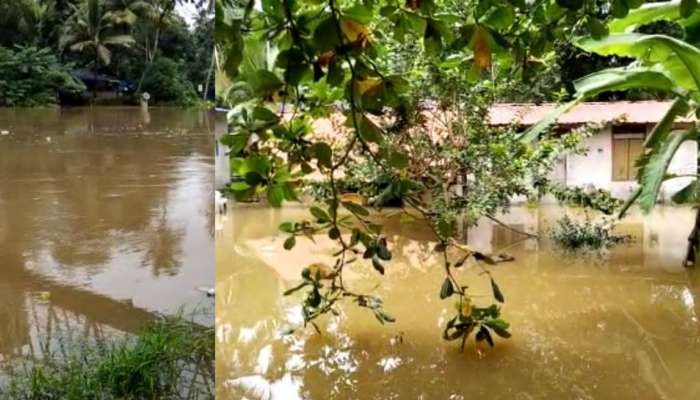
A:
(101, 85)
(610, 161)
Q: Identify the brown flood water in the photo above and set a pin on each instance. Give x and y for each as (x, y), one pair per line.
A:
(624, 326)
(106, 217)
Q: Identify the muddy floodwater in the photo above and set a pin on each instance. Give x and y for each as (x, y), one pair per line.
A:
(623, 325)
(106, 218)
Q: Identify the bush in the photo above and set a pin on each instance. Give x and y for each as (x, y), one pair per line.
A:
(166, 84)
(30, 76)
(572, 235)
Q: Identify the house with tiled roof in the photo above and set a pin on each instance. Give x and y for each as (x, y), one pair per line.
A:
(610, 160)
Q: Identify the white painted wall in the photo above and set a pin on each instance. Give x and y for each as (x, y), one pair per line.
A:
(222, 170)
(595, 168)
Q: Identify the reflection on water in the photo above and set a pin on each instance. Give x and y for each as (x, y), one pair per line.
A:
(105, 218)
(624, 326)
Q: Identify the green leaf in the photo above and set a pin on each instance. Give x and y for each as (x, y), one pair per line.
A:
(377, 264)
(432, 41)
(687, 195)
(497, 294)
(290, 243)
(653, 167)
(659, 133)
(323, 153)
(356, 209)
(319, 214)
(383, 251)
(314, 298)
(545, 123)
(325, 36)
(678, 60)
(287, 227)
(445, 228)
(275, 195)
(570, 4)
(648, 13)
(619, 8)
(239, 186)
(386, 317)
(621, 79)
(360, 13)
(336, 75)
(398, 159)
(446, 290)
(369, 131)
(265, 83)
(484, 334)
(265, 114)
(687, 7)
(499, 326)
(597, 28)
(502, 17)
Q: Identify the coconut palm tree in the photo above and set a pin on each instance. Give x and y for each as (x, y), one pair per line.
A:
(90, 30)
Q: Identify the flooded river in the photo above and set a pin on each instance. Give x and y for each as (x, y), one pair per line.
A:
(623, 325)
(106, 217)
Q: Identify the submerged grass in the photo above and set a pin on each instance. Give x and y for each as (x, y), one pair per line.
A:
(172, 358)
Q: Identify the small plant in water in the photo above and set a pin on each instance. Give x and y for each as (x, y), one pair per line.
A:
(574, 235)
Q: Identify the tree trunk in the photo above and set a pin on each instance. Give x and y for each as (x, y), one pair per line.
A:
(94, 75)
(150, 56)
(691, 257)
(209, 74)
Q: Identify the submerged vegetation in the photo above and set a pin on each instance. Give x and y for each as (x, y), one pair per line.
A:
(585, 235)
(172, 358)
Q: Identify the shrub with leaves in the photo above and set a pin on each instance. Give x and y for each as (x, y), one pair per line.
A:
(31, 76)
(574, 235)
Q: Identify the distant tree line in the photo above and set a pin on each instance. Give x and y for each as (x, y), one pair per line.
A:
(49, 48)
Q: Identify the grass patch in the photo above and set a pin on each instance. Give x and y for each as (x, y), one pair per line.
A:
(172, 358)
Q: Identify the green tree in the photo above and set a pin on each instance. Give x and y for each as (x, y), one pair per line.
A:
(30, 77)
(291, 62)
(90, 30)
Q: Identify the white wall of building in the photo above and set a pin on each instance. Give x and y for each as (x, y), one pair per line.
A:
(222, 169)
(595, 168)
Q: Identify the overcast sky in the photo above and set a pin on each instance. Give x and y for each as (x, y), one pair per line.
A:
(188, 11)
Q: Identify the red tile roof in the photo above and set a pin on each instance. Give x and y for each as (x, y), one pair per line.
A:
(634, 112)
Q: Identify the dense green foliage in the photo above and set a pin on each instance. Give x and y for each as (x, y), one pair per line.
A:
(30, 76)
(405, 86)
(166, 83)
(119, 39)
(171, 359)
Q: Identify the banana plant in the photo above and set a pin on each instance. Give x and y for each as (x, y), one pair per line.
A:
(662, 64)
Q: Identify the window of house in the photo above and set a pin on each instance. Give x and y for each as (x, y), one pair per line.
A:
(627, 147)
